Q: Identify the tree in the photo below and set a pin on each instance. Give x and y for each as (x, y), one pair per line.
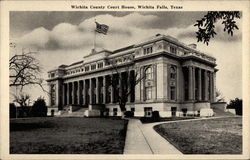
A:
(206, 28)
(237, 105)
(125, 91)
(24, 70)
(23, 100)
(219, 97)
(39, 108)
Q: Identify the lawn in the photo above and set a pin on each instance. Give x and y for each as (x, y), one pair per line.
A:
(210, 136)
(53, 135)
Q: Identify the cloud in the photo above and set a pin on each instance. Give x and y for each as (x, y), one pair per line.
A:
(66, 35)
(36, 38)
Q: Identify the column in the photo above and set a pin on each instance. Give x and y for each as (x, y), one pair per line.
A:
(138, 86)
(199, 85)
(79, 92)
(90, 91)
(64, 94)
(112, 89)
(206, 85)
(120, 84)
(129, 88)
(190, 83)
(83, 92)
(194, 84)
(142, 89)
(104, 89)
(68, 92)
(211, 88)
(97, 91)
(214, 85)
(73, 93)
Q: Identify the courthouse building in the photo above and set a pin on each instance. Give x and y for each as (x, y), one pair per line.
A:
(176, 79)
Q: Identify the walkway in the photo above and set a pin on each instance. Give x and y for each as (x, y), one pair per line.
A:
(142, 139)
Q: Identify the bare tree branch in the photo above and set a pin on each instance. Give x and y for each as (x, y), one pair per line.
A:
(25, 70)
(124, 91)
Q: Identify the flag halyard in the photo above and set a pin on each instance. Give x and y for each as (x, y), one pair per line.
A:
(101, 28)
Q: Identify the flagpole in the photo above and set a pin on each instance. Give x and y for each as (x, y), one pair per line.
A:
(94, 37)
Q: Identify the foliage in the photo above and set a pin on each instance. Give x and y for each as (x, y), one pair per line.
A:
(219, 97)
(156, 116)
(23, 99)
(206, 28)
(39, 108)
(129, 114)
(237, 105)
(12, 110)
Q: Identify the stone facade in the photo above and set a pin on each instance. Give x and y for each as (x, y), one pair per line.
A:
(178, 79)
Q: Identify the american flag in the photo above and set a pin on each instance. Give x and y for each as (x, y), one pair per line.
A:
(101, 28)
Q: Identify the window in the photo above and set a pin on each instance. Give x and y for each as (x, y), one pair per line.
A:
(53, 94)
(52, 75)
(107, 63)
(148, 111)
(173, 72)
(87, 68)
(149, 73)
(148, 82)
(148, 50)
(100, 65)
(148, 92)
(172, 82)
(173, 49)
(132, 109)
(114, 111)
(172, 93)
(173, 111)
(93, 66)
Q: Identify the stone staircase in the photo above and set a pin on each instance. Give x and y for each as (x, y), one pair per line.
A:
(77, 112)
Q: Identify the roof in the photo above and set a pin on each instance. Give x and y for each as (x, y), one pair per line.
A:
(79, 62)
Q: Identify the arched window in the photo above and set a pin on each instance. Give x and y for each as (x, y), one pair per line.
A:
(149, 73)
(173, 72)
(148, 82)
(172, 83)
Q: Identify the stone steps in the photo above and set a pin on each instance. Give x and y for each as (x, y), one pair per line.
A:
(78, 113)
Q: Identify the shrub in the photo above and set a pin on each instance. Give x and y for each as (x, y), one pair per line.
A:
(39, 108)
(155, 116)
(129, 114)
(12, 111)
(237, 105)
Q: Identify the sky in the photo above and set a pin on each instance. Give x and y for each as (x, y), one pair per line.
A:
(66, 37)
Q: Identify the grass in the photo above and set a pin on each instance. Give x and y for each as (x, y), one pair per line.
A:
(53, 135)
(211, 136)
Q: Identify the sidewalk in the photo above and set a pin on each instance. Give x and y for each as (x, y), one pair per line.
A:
(143, 139)
(135, 141)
